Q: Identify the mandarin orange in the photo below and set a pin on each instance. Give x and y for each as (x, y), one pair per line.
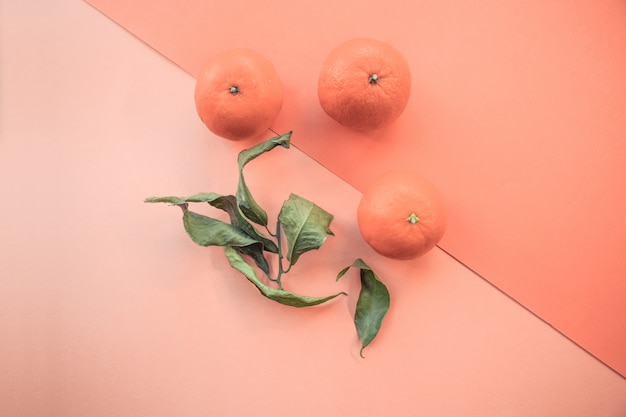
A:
(401, 215)
(238, 94)
(364, 84)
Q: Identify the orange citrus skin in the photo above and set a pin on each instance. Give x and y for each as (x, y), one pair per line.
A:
(238, 94)
(401, 215)
(364, 84)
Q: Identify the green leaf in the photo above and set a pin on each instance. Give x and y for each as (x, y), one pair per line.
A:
(168, 199)
(248, 206)
(206, 231)
(372, 305)
(227, 203)
(306, 226)
(196, 198)
(280, 296)
(256, 253)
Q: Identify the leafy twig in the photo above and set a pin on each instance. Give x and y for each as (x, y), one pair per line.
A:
(304, 224)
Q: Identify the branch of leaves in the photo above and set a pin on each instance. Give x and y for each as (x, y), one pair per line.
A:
(305, 227)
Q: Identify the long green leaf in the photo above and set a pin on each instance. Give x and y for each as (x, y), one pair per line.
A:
(227, 203)
(280, 296)
(206, 231)
(247, 204)
(372, 305)
(305, 224)
(255, 252)
(167, 199)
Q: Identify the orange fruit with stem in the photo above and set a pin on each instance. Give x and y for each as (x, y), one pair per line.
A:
(401, 215)
(238, 94)
(364, 84)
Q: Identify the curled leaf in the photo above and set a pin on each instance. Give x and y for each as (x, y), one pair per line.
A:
(255, 252)
(280, 296)
(167, 199)
(305, 224)
(227, 203)
(248, 206)
(206, 231)
(372, 304)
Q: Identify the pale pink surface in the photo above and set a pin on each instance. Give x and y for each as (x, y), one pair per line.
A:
(516, 113)
(108, 309)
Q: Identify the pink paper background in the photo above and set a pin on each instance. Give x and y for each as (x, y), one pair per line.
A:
(107, 308)
(517, 114)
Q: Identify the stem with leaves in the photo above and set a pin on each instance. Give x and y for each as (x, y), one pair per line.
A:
(304, 224)
(280, 272)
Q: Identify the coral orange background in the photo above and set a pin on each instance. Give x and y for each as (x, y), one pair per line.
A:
(517, 113)
(108, 309)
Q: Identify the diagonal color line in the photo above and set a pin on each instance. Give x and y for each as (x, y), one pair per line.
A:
(491, 284)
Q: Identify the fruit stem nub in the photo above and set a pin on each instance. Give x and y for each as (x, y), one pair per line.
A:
(373, 79)
(233, 89)
(413, 218)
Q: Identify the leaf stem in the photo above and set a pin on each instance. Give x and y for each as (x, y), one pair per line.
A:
(280, 258)
(273, 280)
(269, 231)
